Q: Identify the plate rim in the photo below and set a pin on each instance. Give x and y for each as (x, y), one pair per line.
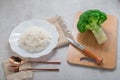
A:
(32, 20)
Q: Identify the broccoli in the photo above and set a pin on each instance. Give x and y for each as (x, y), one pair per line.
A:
(92, 20)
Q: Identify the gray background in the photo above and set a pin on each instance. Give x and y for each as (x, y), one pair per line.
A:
(12, 12)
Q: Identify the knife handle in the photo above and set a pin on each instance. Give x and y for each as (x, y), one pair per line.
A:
(92, 55)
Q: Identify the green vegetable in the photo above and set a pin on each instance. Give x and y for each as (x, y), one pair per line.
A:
(92, 20)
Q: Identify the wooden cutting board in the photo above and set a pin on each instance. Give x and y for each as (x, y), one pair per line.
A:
(107, 50)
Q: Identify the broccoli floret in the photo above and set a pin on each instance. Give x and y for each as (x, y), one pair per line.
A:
(92, 20)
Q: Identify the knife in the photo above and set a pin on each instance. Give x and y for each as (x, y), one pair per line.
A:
(71, 40)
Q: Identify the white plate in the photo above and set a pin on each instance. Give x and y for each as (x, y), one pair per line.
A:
(17, 31)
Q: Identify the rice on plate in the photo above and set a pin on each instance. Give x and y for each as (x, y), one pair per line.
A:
(33, 38)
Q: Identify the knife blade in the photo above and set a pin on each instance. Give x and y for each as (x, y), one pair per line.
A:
(85, 50)
(71, 40)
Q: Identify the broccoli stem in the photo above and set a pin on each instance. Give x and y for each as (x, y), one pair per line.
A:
(99, 35)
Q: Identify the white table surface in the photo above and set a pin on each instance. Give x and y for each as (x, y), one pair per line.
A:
(12, 12)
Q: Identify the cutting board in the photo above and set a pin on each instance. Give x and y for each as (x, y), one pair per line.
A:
(107, 50)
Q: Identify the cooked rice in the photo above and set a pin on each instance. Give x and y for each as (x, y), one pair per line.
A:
(34, 39)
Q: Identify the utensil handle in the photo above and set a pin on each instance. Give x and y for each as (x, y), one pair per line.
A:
(92, 55)
(52, 62)
(42, 69)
